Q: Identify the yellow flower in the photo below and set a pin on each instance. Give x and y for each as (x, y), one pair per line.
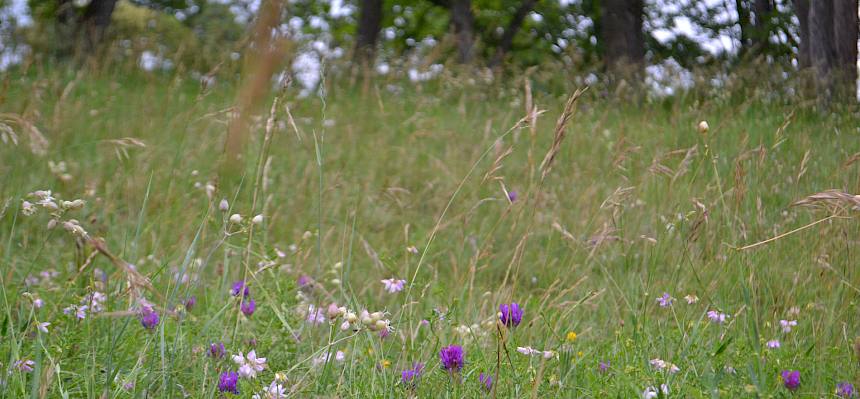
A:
(386, 364)
(579, 353)
(571, 336)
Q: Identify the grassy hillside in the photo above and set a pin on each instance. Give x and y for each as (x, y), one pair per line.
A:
(412, 182)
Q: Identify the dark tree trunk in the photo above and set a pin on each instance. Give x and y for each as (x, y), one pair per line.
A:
(744, 25)
(369, 24)
(822, 52)
(763, 10)
(95, 22)
(511, 31)
(845, 39)
(801, 9)
(623, 39)
(463, 21)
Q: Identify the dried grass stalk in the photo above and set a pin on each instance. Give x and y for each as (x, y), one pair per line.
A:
(560, 129)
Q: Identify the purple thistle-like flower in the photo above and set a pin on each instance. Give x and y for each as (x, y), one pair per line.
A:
(228, 382)
(148, 317)
(410, 376)
(791, 379)
(240, 286)
(452, 357)
(217, 350)
(304, 281)
(487, 381)
(190, 302)
(845, 390)
(248, 307)
(510, 315)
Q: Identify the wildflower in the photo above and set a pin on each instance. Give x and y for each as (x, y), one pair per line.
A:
(603, 366)
(249, 365)
(148, 317)
(787, 325)
(27, 208)
(190, 302)
(550, 354)
(38, 303)
(665, 300)
(773, 344)
(80, 312)
(248, 307)
(217, 350)
(224, 206)
(571, 336)
(315, 315)
(239, 286)
(43, 327)
(25, 366)
(410, 376)
(304, 281)
(652, 393)
(257, 219)
(452, 358)
(845, 390)
(235, 218)
(412, 249)
(510, 315)
(703, 127)
(691, 299)
(393, 285)
(228, 382)
(527, 350)
(791, 379)
(487, 381)
(273, 391)
(512, 196)
(334, 311)
(717, 317)
(661, 364)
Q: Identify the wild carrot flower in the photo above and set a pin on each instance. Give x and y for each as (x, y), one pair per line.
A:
(717, 317)
(148, 317)
(217, 350)
(791, 379)
(228, 382)
(410, 376)
(773, 344)
(487, 381)
(510, 314)
(845, 390)
(393, 285)
(248, 307)
(452, 358)
(665, 300)
(249, 365)
(787, 325)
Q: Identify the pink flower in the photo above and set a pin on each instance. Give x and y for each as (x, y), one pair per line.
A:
(249, 365)
(393, 285)
(717, 317)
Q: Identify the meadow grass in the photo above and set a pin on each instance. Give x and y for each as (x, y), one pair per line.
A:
(637, 203)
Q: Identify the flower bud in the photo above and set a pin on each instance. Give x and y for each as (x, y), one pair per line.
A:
(236, 218)
(257, 219)
(703, 127)
(224, 206)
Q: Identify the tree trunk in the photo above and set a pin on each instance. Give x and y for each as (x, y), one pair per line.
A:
(463, 21)
(763, 10)
(845, 39)
(369, 24)
(95, 22)
(511, 31)
(623, 39)
(801, 9)
(744, 25)
(822, 52)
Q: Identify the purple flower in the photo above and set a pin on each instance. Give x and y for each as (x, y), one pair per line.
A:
(217, 350)
(228, 382)
(190, 302)
(148, 317)
(845, 390)
(773, 344)
(603, 366)
(452, 357)
(510, 315)
(791, 379)
(410, 376)
(393, 285)
(25, 366)
(238, 287)
(248, 307)
(717, 317)
(487, 381)
(512, 196)
(665, 300)
(304, 281)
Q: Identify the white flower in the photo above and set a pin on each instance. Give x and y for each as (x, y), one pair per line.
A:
(661, 364)
(235, 218)
(275, 391)
(27, 208)
(249, 365)
(787, 325)
(257, 219)
(652, 393)
(527, 350)
(43, 327)
(691, 299)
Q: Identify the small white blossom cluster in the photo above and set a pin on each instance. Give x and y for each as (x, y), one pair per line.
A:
(44, 199)
(275, 390)
(661, 365)
(529, 351)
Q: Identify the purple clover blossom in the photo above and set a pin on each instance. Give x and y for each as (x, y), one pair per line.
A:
(410, 376)
(452, 358)
(487, 381)
(217, 350)
(665, 300)
(228, 382)
(510, 314)
(603, 366)
(240, 286)
(148, 317)
(303, 281)
(512, 196)
(393, 285)
(248, 307)
(791, 379)
(845, 390)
